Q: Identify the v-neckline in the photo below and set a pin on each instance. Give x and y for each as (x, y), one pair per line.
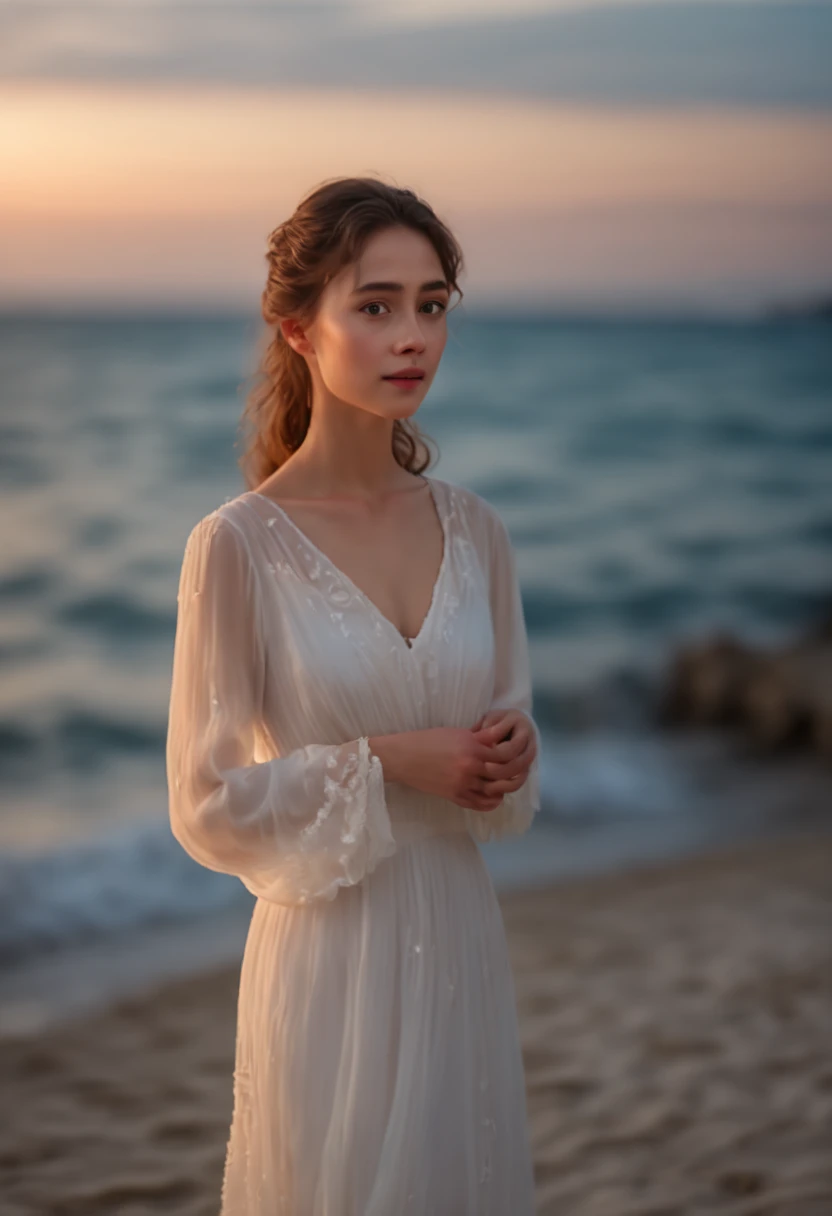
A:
(410, 643)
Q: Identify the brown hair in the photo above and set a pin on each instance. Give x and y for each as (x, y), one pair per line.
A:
(327, 231)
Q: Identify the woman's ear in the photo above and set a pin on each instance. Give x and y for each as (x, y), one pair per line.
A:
(294, 335)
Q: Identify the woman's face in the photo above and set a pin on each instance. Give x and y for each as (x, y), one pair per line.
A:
(363, 334)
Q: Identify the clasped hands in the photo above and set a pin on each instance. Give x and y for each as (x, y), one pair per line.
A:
(510, 736)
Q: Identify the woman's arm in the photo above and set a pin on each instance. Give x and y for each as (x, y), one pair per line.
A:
(293, 828)
(513, 680)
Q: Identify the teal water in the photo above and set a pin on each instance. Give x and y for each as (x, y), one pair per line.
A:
(659, 480)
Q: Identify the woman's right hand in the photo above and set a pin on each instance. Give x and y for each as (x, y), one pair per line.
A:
(443, 760)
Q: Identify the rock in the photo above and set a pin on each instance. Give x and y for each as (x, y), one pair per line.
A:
(782, 697)
(706, 681)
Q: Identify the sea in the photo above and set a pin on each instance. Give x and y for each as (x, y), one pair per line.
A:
(662, 478)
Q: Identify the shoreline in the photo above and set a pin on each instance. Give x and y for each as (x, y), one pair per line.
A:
(661, 799)
(674, 1023)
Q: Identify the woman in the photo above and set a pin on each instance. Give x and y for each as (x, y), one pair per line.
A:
(350, 711)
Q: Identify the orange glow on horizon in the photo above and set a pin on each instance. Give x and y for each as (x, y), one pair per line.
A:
(87, 151)
(164, 173)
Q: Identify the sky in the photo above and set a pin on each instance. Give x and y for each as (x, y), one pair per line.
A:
(618, 154)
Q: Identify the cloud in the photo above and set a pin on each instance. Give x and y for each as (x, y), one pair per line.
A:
(687, 53)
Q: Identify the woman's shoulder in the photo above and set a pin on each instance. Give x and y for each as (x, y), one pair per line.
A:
(459, 494)
(225, 527)
(480, 515)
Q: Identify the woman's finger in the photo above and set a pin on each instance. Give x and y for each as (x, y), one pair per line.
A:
(495, 771)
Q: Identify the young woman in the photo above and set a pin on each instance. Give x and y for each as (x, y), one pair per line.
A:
(350, 712)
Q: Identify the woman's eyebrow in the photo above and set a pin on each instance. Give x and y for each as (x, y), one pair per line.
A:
(436, 285)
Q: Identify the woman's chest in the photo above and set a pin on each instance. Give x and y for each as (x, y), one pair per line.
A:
(324, 639)
(394, 565)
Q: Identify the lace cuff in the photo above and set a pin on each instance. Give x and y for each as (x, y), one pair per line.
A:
(346, 839)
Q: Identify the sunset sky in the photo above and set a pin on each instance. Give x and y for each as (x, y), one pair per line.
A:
(625, 154)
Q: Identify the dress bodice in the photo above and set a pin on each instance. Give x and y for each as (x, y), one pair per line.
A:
(283, 669)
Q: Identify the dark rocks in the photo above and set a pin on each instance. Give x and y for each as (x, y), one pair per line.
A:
(779, 697)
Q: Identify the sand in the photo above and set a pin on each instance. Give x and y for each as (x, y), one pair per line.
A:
(676, 1023)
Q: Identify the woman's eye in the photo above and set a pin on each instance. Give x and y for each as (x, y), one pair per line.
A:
(378, 304)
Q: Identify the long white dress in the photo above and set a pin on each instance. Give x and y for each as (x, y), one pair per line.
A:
(378, 1067)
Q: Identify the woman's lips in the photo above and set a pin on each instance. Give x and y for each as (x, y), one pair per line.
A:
(404, 381)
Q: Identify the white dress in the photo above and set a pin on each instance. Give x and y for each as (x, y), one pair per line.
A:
(378, 1066)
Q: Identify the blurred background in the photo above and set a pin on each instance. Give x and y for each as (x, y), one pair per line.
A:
(639, 379)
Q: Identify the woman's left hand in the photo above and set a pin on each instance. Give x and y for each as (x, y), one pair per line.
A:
(511, 736)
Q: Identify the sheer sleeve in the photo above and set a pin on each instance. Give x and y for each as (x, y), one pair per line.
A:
(513, 680)
(292, 828)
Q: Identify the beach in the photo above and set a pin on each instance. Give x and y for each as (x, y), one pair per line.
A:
(674, 1020)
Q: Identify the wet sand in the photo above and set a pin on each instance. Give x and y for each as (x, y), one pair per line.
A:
(676, 1023)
